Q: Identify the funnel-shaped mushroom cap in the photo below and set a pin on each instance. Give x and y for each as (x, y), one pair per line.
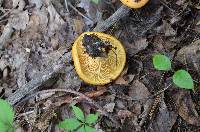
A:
(98, 70)
(134, 3)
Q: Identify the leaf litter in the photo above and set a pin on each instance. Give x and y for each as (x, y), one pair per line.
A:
(35, 34)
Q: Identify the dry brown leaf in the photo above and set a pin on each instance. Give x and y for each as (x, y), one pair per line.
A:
(185, 106)
(109, 107)
(94, 94)
(38, 3)
(120, 80)
(180, 2)
(164, 120)
(167, 29)
(161, 43)
(188, 112)
(136, 46)
(38, 19)
(44, 120)
(138, 91)
(91, 11)
(123, 114)
(19, 3)
(55, 21)
(19, 20)
(78, 24)
(190, 54)
(6, 34)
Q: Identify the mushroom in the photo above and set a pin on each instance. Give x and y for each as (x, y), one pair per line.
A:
(135, 4)
(98, 58)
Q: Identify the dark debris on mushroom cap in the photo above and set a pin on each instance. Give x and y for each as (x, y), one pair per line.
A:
(95, 46)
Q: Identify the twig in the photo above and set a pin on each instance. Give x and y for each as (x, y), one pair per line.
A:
(159, 92)
(4, 20)
(8, 11)
(76, 93)
(4, 15)
(101, 110)
(36, 82)
(66, 6)
(80, 12)
(165, 4)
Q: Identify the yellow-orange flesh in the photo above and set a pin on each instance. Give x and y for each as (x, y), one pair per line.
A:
(134, 3)
(98, 70)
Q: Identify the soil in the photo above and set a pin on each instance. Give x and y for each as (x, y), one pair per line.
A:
(37, 75)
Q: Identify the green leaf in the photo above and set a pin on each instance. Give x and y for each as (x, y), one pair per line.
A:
(3, 127)
(183, 79)
(78, 113)
(161, 62)
(82, 129)
(92, 118)
(89, 129)
(69, 124)
(6, 114)
(95, 1)
(10, 129)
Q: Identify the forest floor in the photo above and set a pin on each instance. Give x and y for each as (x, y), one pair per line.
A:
(38, 78)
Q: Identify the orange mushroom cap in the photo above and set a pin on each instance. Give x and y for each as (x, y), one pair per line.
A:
(134, 3)
(98, 70)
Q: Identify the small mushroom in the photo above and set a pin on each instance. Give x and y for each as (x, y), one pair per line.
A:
(98, 57)
(135, 4)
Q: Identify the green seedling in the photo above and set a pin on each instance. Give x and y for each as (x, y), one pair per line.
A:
(6, 117)
(181, 78)
(95, 1)
(80, 123)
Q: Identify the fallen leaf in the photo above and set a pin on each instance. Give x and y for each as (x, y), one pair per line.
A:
(19, 20)
(138, 91)
(38, 3)
(38, 19)
(55, 21)
(91, 11)
(120, 80)
(109, 107)
(167, 29)
(185, 106)
(123, 114)
(94, 94)
(19, 3)
(164, 120)
(78, 25)
(188, 112)
(6, 34)
(180, 2)
(136, 46)
(190, 54)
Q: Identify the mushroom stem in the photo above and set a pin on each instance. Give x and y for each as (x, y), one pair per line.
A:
(120, 13)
